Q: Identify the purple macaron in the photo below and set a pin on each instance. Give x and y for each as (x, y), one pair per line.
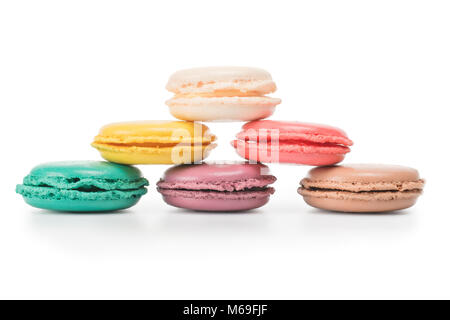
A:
(217, 187)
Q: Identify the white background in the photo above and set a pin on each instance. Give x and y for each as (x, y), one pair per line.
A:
(380, 70)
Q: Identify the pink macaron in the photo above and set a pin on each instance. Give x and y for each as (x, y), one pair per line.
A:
(217, 187)
(292, 142)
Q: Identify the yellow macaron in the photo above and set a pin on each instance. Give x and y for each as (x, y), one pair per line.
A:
(154, 142)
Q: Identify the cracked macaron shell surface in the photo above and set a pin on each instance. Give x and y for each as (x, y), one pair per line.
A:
(292, 142)
(80, 186)
(154, 142)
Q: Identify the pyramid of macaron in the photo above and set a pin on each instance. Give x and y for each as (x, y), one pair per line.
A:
(219, 94)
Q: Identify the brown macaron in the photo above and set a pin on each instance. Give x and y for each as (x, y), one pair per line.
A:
(362, 188)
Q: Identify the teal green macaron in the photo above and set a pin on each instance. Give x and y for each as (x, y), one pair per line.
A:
(83, 186)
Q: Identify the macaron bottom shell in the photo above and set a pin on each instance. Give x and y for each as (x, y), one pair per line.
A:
(67, 205)
(166, 155)
(361, 206)
(215, 205)
(284, 153)
(221, 112)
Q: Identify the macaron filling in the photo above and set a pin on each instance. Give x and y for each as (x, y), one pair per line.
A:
(230, 190)
(220, 93)
(58, 188)
(94, 194)
(383, 191)
(236, 101)
(153, 142)
(84, 183)
(291, 141)
(227, 186)
(218, 88)
(292, 136)
(293, 146)
(254, 193)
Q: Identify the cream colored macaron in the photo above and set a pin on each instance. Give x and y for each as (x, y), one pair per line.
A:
(221, 94)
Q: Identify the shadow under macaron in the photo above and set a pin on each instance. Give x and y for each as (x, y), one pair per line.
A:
(214, 213)
(85, 213)
(348, 213)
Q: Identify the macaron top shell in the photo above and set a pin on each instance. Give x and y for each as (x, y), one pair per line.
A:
(291, 130)
(170, 132)
(364, 177)
(219, 177)
(210, 79)
(86, 169)
(73, 175)
(364, 173)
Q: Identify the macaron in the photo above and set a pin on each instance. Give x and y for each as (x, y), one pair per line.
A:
(221, 94)
(154, 142)
(217, 187)
(82, 186)
(362, 188)
(292, 142)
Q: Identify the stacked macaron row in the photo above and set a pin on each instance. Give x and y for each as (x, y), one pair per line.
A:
(240, 94)
(204, 94)
(219, 94)
(208, 95)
